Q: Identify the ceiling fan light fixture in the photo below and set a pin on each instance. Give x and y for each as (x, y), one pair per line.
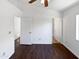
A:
(45, 2)
(42, 1)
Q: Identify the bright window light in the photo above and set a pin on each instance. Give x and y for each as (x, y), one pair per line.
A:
(77, 27)
(42, 1)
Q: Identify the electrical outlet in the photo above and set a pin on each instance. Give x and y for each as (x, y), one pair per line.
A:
(39, 38)
(3, 54)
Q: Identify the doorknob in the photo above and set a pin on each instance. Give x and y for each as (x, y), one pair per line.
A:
(30, 32)
(9, 32)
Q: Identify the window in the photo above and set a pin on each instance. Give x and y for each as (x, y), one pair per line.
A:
(77, 27)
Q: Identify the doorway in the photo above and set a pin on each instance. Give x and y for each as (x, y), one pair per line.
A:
(54, 36)
(17, 30)
(57, 25)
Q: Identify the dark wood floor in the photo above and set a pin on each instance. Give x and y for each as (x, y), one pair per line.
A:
(55, 51)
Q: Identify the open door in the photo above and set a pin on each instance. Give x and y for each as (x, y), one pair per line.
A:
(57, 25)
(17, 29)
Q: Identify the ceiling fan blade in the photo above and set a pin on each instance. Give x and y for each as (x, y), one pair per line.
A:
(31, 1)
(46, 3)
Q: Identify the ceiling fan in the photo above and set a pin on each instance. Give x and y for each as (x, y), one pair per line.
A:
(45, 2)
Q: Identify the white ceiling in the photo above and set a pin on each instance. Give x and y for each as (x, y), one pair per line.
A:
(57, 5)
(61, 4)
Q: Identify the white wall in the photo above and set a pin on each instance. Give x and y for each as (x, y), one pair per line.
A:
(40, 12)
(69, 29)
(7, 13)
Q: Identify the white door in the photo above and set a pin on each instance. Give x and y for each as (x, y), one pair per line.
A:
(26, 30)
(42, 30)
